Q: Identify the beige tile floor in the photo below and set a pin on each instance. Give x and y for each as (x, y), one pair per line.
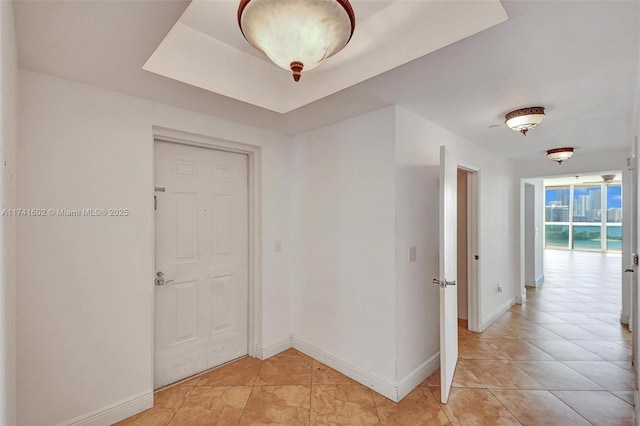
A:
(560, 359)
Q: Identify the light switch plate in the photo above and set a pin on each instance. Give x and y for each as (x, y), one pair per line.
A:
(412, 254)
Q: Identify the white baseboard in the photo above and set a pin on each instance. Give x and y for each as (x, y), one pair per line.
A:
(535, 283)
(366, 378)
(115, 412)
(418, 376)
(486, 322)
(625, 318)
(264, 352)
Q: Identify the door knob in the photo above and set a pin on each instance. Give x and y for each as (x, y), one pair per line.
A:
(160, 279)
(443, 283)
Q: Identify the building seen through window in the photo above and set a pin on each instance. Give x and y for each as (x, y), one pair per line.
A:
(585, 216)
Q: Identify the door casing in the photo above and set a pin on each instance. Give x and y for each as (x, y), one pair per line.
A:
(473, 246)
(473, 264)
(254, 184)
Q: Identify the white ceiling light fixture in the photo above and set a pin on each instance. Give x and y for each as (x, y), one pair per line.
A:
(524, 119)
(560, 155)
(297, 34)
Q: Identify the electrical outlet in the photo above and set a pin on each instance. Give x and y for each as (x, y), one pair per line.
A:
(499, 287)
(412, 254)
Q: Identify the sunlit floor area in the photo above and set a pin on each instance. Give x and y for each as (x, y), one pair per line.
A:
(561, 359)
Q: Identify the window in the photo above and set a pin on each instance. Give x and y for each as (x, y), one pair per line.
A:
(587, 237)
(587, 203)
(614, 203)
(584, 216)
(557, 204)
(614, 217)
(556, 236)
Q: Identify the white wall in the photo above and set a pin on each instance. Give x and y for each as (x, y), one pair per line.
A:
(367, 190)
(8, 233)
(85, 294)
(344, 263)
(417, 212)
(498, 217)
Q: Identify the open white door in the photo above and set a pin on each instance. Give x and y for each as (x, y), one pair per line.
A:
(632, 263)
(448, 272)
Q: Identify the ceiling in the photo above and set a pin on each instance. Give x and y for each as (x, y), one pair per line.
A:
(579, 59)
(207, 32)
(580, 179)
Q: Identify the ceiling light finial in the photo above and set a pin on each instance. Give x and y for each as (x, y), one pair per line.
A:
(297, 34)
(560, 155)
(524, 119)
(296, 68)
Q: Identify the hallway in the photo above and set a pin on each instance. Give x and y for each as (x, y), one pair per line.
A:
(561, 359)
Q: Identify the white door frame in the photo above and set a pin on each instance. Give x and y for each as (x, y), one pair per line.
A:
(521, 292)
(474, 307)
(254, 163)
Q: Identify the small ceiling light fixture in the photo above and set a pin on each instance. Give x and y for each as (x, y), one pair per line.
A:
(560, 154)
(524, 119)
(297, 34)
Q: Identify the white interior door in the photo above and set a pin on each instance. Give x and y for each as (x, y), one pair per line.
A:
(632, 234)
(448, 272)
(201, 288)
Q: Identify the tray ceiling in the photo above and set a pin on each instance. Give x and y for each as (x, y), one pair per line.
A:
(206, 49)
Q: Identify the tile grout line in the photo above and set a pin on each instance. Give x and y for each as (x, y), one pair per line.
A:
(245, 406)
(311, 391)
(376, 407)
(620, 398)
(440, 404)
(180, 406)
(505, 407)
(591, 380)
(573, 409)
(250, 393)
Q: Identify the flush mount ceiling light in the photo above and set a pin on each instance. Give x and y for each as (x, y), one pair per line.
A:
(560, 154)
(297, 34)
(524, 119)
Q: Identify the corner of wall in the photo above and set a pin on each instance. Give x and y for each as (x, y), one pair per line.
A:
(8, 225)
(497, 313)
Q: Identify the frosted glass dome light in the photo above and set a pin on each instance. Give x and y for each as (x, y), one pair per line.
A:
(297, 34)
(560, 155)
(525, 119)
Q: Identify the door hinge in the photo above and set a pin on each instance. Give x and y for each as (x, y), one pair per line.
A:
(635, 258)
(155, 202)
